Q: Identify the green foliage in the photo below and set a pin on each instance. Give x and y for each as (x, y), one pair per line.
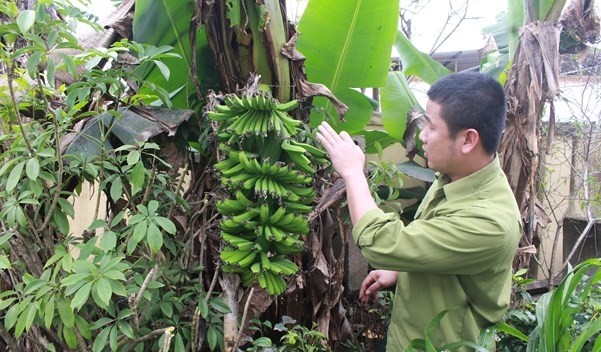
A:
(123, 283)
(347, 44)
(293, 337)
(167, 24)
(385, 180)
(427, 345)
(564, 319)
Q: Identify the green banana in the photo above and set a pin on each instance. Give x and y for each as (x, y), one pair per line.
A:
(242, 198)
(287, 106)
(301, 191)
(277, 215)
(226, 164)
(267, 234)
(232, 170)
(265, 263)
(232, 227)
(298, 207)
(264, 213)
(247, 277)
(247, 260)
(230, 206)
(236, 242)
(262, 279)
(293, 223)
(283, 265)
(289, 245)
(219, 116)
(309, 148)
(233, 256)
(224, 109)
(288, 123)
(277, 284)
(278, 235)
(269, 178)
(255, 267)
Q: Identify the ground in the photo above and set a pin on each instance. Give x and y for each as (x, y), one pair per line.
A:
(368, 321)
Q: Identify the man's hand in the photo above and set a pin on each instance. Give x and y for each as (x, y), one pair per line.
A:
(347, 158)
(374, 282)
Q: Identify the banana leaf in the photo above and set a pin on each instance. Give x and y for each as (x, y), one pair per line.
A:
(416, 63)
(397, 100)
(347, 44)
(159, 23)
(415, 170)
(515, 21)
(376, 136)
(544, 10)
(359, 114)
(97, 134)
(497, 63)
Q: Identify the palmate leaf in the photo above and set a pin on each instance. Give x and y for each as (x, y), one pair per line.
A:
(162, 22)
(347, 44)
(154, 238)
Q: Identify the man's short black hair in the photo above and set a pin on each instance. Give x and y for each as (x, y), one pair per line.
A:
(472, 100)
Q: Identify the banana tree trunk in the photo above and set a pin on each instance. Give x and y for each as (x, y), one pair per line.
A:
(532, 81)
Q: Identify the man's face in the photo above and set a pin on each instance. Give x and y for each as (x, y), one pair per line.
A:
(440, 149)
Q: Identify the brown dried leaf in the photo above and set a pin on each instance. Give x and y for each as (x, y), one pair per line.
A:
(415, 122)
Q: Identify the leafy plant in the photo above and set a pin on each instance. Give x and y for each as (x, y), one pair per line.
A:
(427, 345)
(558, 311)
(124, 281)
(566, 318)
(294, 337)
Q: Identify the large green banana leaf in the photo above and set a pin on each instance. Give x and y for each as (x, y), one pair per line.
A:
(416, 63)
(397, 100)
(162, 22)
(347, 44)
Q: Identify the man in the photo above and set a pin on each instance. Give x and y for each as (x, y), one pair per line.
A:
(457, 253)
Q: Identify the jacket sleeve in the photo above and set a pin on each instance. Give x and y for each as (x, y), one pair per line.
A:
(464, 243)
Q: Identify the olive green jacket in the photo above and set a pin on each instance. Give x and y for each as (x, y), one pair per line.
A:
(456, 254)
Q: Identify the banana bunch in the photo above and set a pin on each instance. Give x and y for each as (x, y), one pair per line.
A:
(269, 178)
(255, 115)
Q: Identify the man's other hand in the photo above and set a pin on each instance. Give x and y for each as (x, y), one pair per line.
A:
(374, 282)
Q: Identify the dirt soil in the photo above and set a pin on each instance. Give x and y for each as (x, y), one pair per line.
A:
(369, 323)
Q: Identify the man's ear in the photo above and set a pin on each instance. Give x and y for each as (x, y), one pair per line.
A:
(471, 140)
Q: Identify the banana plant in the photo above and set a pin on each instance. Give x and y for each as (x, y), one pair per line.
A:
(532, 82)
(348, 46)
(225, 43)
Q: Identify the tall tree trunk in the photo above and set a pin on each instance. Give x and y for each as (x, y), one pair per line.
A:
(532, 81)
